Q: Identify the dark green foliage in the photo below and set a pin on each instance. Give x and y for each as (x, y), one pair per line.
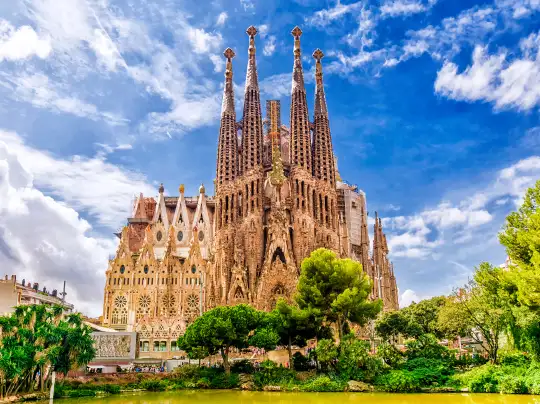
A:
(154, 385)
(39, 337)
(224, 327)
(111, 389)
(324, 384)
(399, 381)
(513, 385)
(337, 288)
(270, 374)
(390, 355)
(427, 346)
(355, 361)
(300, 362)
(242, 366)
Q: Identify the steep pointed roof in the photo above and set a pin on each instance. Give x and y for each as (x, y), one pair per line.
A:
(227, 105)
(252, 128)
(320, 99)
(298, 73)
(300, 144)
(227, 159)
(252, 79)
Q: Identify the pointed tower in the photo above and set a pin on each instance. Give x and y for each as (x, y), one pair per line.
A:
(227, 158)
(323, 155)
(300, 136)
(252, 128)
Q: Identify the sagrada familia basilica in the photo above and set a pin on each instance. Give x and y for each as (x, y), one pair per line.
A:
(277, 198)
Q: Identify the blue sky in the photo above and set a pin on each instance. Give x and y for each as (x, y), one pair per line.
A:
(434, 111)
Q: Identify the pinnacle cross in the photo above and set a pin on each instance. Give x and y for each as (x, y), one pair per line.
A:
(296, 32)
(229, 53)
(318, 55)
(251, 31)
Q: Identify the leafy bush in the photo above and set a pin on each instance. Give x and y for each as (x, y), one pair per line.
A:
(390, 355)
(111, 388)
(242, 366)
(186, 372)
(270, 374)
(399, 381)
(323, 384)
(153, 385)
(355, 361)
(427, 346)
(429, 371)
(514, 358)
(483, 379)
(513, 385)
(300, 362)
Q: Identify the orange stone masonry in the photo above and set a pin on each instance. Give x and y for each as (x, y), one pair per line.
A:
(277, 198)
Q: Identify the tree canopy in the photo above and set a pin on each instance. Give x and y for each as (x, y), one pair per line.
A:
(37, 339)
(337, 288)
(224, 327)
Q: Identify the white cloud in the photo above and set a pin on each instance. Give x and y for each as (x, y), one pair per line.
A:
(269, 46)
(424, 234)
(322, 18)
(39, 91)
(202, 41)
(492, 78)
(222, 18)
(21, 43)
(91, 185)
(45, 241)
(263, 30)
(276, 86)
(408, 297)
(401, 8)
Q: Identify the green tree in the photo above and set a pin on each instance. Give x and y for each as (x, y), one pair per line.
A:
(423, 317)
(293, 325)
(36, 339)
(220, 329)
(392, 324)
(338, 288)
(521, 237)
(480, 309)
(197, 353)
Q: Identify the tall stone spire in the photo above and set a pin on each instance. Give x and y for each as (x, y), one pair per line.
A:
(252, 129)
(227, 159)
(323, 154)
(300, 137)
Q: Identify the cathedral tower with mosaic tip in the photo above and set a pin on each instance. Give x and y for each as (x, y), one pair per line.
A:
(278, 197)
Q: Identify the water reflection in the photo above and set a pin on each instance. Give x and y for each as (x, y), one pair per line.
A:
(241, 397)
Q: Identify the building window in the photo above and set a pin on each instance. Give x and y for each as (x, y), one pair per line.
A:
(159, 236)
(193, 269)
(180, 236)
(174, 346)
(201, 236)
(144, 346)
(122, 269)
(146, 269)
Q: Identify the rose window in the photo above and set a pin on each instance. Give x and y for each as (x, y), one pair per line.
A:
(120, 301)
(169, 305)
(192, 309)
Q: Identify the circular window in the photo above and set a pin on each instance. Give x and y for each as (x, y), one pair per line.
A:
(201, 236)
(180, 236)
(122, 269)
(193, 269)
(146, 269)
(159, 235)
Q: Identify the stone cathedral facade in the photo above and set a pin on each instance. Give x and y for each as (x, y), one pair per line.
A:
(277, 198)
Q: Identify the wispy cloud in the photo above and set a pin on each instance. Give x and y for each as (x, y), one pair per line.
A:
(222, 18)
(324, 17)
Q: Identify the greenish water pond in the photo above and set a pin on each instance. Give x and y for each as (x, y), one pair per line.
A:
(249, 397)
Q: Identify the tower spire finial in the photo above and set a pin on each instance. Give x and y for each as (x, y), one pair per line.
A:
(296, 33)
(228, 95)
